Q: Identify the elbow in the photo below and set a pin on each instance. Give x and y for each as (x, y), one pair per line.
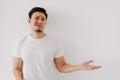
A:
(16, 70)
(62, 68)
(63, 71)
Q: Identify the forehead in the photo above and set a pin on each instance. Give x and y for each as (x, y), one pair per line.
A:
(38, 14)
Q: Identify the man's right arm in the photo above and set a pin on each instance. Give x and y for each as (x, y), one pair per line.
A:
(17, 68)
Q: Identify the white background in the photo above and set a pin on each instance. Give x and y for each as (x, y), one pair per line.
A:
(88, 29)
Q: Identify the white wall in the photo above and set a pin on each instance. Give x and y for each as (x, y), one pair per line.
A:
(89, 29)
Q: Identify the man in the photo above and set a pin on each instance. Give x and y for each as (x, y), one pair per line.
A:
(38, 56)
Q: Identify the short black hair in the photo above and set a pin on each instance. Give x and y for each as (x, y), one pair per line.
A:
(37, 9)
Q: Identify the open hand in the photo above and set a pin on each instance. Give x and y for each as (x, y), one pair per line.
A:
(86, 65)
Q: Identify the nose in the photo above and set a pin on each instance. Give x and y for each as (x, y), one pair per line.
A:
(39, 21)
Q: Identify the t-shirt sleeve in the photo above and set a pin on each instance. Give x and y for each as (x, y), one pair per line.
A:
(59, 51)
(16, 49)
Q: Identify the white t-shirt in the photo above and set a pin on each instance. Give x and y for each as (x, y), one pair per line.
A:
(38, 57)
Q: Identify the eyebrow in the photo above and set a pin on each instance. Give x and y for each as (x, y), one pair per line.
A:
(40, 16)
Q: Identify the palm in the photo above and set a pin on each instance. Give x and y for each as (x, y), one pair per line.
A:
(86, 65)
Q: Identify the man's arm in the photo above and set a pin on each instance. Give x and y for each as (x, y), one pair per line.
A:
(17, 68)
(62, 66)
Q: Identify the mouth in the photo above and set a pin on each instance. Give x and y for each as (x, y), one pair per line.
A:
(38, 26)
(38, 31)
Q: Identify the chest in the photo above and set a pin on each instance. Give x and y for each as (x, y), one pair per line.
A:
(38, 51)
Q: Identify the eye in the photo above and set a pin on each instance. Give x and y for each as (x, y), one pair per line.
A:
(42, 19)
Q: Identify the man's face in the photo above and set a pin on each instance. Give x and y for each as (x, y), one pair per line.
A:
(37, 21)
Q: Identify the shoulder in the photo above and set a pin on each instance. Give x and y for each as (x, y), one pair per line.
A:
(53, 38)
(20, 40)
(17, 46)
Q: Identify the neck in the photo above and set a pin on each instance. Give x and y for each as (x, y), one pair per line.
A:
(38, 34)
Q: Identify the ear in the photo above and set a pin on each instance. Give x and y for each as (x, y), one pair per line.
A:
(29, 20)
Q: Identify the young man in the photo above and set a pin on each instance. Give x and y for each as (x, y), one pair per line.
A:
(38, 56)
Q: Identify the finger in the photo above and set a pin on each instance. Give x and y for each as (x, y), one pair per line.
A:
(89, 61)
(96, 67)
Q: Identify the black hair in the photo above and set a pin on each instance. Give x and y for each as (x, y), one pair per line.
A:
(37, 9)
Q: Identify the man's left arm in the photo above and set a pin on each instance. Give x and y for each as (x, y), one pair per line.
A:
(64, 67)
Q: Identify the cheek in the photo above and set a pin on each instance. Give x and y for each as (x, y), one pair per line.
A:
(34, 22)
(45, 23)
